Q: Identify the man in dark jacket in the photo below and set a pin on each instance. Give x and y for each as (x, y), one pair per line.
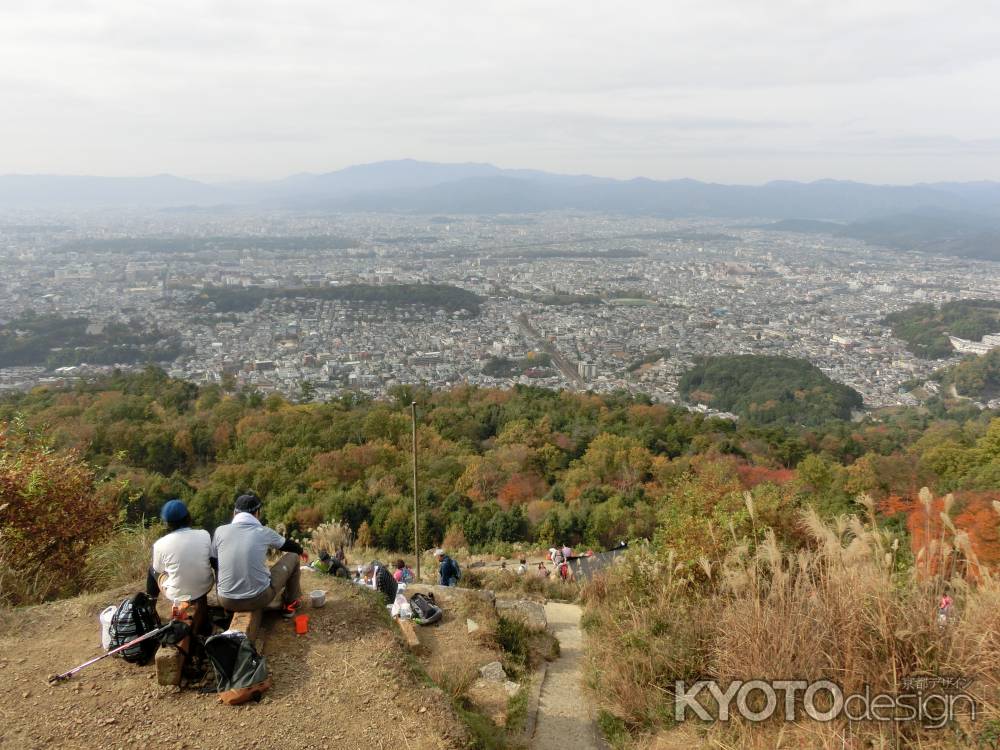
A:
(448, 571)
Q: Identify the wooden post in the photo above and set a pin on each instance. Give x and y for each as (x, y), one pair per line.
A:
(416, 521)
(170, 660)
(409, 635)
(248, 622)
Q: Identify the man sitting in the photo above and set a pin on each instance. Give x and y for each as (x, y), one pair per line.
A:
(181, 566)
(245, 582)
(381, 580)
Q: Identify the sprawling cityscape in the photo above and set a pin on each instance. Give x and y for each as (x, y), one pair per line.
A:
(579, 301)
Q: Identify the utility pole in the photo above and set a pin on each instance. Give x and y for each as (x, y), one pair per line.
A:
(416, 521)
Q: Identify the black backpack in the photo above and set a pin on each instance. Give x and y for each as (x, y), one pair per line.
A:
(240, 672)
(425, 611)
(133, 618)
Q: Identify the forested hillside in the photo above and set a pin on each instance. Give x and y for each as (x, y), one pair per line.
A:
(975, 377)
(496, 466)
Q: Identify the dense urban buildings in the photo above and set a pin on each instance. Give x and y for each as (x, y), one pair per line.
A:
(570, 301)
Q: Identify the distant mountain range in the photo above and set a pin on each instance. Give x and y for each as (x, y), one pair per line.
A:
(929, 230)
(426, 187)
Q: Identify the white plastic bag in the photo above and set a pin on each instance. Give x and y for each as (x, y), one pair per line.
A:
(106, 616)
(401, 608)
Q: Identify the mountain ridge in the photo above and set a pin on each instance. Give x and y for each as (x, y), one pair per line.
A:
(409, 185)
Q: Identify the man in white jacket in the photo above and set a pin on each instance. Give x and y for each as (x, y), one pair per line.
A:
(181, 568)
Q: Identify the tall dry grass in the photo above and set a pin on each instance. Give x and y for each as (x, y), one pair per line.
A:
(329, 537)
(31, 584)
(122, 558)
(844, 608)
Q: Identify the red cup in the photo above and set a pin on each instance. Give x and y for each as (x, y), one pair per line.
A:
(301, 624)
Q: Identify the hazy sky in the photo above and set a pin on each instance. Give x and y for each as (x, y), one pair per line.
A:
(723, 90)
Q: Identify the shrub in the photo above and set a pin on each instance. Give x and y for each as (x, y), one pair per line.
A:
(513, 638)
(842, 608)
(51, 512)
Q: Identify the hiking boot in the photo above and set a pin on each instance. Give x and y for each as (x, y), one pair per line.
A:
(291, 609)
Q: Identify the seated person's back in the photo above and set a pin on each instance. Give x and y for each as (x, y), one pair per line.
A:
(180, 566)
(245, 581)
(382, 580)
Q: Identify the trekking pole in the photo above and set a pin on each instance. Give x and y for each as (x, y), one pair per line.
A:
(145, 637)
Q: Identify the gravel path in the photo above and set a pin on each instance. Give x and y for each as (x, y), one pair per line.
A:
(565, 716)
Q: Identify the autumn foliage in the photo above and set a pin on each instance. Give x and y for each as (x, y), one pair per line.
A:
(958, 531)
(51, 511)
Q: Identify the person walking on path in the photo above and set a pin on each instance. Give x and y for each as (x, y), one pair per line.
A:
(448, 570)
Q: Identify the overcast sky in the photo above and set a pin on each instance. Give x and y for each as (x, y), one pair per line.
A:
(726, 90)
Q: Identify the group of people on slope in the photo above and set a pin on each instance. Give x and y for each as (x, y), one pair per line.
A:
(187, 562)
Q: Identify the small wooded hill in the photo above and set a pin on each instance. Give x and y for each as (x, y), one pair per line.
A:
(346, 684)
(975, 377)
(925, 328)
(765, 390)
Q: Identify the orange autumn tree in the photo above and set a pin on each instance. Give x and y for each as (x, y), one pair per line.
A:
(955, 533)
(51, 511)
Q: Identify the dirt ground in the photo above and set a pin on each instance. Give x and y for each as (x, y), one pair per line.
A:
(345, 684)
(453, 656)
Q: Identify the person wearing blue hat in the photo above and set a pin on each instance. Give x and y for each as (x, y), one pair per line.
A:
(181, 568)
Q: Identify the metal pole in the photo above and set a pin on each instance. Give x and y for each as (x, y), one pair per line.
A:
(135, 641)
(416, 522)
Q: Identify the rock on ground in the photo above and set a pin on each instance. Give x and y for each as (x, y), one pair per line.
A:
(493, 672)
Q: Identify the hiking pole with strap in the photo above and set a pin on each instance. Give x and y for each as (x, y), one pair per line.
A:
(144, 637)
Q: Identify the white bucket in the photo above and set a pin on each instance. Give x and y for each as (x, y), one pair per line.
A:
(317, 597)
(106, 616)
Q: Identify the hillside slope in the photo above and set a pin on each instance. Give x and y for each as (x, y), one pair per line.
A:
(346, 684)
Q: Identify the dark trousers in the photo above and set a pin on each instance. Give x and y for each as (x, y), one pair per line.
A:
(152, 585)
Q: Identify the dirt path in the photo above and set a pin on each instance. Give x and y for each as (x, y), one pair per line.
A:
(565, 716)
(342, 685)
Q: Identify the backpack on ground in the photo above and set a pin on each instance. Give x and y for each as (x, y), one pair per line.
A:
(240, 672)
(133, 618)
(425, 611)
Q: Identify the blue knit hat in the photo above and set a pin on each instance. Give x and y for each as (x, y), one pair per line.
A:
(174, 511)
